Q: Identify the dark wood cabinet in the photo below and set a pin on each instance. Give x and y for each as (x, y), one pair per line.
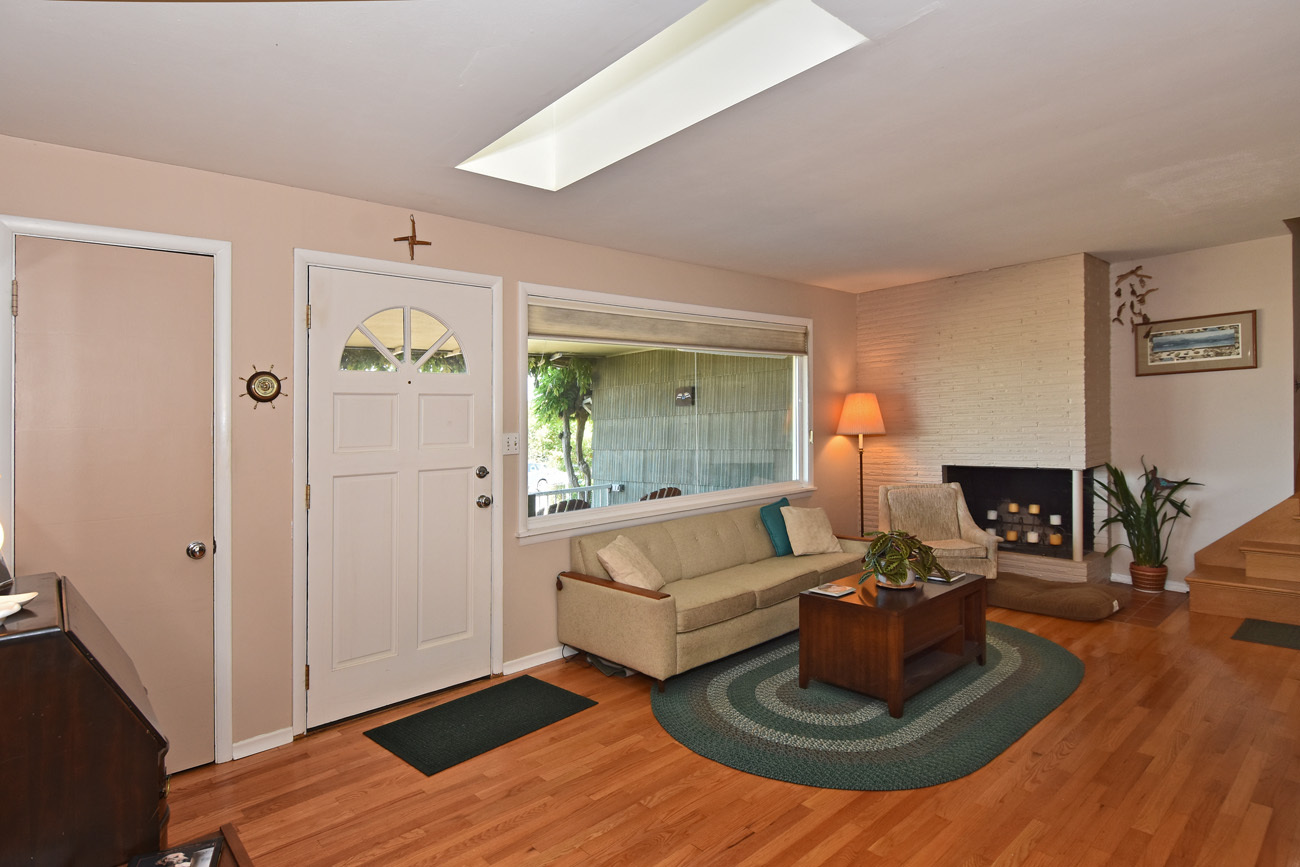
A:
(80, 749)
(891, 644)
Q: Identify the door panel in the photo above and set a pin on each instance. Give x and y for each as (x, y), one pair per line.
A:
(398, 562)
(113, 457)
(446, 539)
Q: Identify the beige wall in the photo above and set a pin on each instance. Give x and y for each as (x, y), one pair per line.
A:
(1007, 367)
(264, 223)
(1231, 430)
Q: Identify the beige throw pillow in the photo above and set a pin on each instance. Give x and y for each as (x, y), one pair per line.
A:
(626, 564)
(810, 531)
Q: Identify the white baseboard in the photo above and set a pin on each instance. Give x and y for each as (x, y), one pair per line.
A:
(1170, 584)
(263, 742)
(515, 666)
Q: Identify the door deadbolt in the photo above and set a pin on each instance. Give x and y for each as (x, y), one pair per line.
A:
(481, 472)
(196, 550)
(483, 501)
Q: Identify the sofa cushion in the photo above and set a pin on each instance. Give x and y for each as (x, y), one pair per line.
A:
(957, 548)
(711, 599)
(774, 523)
(770, 581)
(810, 531)
(832, 566)
(707, 543)
(654, 540)
(626, 564)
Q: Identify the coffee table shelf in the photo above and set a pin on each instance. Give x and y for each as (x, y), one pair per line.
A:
(891, 644)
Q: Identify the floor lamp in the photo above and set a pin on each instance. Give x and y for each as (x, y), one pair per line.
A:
(861, 416)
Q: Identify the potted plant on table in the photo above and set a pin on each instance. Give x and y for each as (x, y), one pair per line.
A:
(1147, 517)
(896, 558)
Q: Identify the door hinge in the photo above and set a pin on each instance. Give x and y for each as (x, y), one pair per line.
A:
(306, 677)
(13, 304)
(309, 316)
(309, 496)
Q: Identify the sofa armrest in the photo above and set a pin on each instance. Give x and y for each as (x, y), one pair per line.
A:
(853, 544)
(612, 585)
(628, 625)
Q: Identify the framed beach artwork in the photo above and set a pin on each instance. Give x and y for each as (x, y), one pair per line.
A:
(1223, 342)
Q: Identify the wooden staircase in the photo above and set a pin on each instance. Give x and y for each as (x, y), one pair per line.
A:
(1254, 571)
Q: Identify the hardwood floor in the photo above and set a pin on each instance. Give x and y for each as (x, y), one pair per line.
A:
(1180, 747)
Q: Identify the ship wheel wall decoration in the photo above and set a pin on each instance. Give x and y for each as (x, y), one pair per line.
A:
(263, 386)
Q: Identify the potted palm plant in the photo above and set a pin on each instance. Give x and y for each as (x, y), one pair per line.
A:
(1148, 517)
(896, 558)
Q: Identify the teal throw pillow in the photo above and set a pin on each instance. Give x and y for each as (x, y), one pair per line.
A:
(774, 522)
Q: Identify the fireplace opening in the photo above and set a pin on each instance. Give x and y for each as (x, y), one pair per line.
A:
(1038, 511)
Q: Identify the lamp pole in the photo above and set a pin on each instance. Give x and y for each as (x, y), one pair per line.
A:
(862, 502)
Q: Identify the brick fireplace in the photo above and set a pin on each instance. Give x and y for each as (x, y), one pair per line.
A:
(1046, 512)
(1008, 368)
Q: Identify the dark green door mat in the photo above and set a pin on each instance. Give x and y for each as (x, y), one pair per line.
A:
(1268, 632)
(435, 739)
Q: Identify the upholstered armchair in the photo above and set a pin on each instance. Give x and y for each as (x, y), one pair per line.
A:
(937, 515)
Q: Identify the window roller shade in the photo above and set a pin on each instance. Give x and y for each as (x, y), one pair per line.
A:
(551, 318)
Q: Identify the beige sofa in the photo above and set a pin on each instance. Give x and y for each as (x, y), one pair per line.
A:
(726, 590)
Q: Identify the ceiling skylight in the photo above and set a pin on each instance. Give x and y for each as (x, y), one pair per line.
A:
(718, 55)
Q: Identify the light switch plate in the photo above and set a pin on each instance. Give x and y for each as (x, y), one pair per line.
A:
(511, 444)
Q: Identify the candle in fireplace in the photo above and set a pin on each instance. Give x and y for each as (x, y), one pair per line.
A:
(1054, 520)
(1031, 537)
(992, 514)
(1054, 539)
(1012, 535)
(1033, 508)
(1013, 508)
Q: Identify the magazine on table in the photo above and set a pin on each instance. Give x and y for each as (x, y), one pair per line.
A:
(939, 579)
(832, 590)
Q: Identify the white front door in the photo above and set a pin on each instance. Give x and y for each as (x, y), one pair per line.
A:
(399, 526)
(113, 457)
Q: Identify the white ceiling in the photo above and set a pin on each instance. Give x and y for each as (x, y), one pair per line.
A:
(967, 134)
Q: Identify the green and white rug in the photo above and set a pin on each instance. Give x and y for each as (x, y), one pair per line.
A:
(748, 712)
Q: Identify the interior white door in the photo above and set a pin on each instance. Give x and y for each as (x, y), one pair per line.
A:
(399, 455)
(113, 457)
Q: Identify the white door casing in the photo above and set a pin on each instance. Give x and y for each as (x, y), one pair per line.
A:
(399, 560)
(10, 229)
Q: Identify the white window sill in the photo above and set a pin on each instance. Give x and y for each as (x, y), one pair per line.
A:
(564, 525)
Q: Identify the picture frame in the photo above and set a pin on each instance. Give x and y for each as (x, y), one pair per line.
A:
(198, 853)
(1193, 344)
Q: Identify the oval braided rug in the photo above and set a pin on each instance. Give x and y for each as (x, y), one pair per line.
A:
(747, 712)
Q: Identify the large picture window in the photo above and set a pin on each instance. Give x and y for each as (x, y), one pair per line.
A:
(630, 404)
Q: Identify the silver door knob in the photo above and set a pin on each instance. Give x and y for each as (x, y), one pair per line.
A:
(481, 472)
(196, 550)
(483, 501)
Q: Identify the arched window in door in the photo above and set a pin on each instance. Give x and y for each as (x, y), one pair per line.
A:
(380, 343)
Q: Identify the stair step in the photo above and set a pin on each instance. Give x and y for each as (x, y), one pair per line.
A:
(1270, 559)
(1230, 592)
(1272, 546)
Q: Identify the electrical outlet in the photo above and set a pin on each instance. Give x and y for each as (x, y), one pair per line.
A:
(511, 444)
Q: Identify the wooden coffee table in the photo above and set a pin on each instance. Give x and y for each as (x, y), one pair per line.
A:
(891, 644)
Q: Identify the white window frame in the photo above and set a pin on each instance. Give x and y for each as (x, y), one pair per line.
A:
(564, 525)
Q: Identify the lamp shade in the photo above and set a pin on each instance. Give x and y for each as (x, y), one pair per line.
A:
(861, 415)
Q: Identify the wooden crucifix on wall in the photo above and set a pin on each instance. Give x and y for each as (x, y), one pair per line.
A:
(411, 241)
